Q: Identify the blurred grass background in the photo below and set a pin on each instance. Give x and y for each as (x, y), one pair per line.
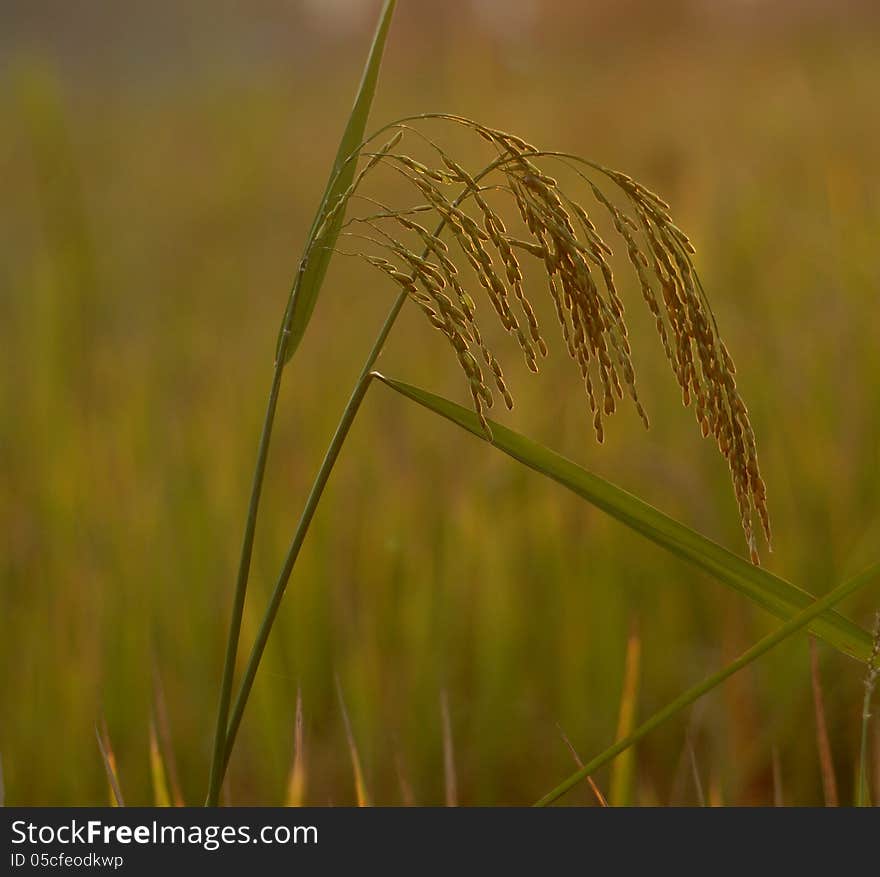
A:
(160, 167)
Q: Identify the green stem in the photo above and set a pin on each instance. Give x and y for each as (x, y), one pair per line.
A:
(244, 565)
(308, 513)
(351, 409)
(692, 694)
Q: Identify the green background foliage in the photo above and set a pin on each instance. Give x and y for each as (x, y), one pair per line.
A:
(159, 181)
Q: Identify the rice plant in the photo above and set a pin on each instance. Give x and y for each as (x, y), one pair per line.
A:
(559, 232)
(452, 239)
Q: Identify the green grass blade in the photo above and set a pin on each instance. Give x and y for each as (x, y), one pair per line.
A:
(308, 281)
(767, 590)
(793, 625)
(300, 306)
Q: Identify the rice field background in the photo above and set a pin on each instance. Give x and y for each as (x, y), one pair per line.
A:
(160, 169)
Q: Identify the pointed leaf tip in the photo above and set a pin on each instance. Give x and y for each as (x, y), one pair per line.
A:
(323, 235)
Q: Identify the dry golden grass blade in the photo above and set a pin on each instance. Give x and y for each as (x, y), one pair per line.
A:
(2, 787)
(406, 791)
(695, 771)
(623, 766)
(296, 782)
(161, 798)
(109, 759)
(163, 739)
(577, 760)
(449, 778)
(679, 780)
(716, 792)
(776, 765)
(829, 778)
(360, 786)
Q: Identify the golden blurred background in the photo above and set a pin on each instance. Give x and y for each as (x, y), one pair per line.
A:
(161, 164)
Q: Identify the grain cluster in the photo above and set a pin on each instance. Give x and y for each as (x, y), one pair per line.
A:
(558, 230)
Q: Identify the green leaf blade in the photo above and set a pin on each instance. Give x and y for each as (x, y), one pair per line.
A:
(774, 594)
(307, 285)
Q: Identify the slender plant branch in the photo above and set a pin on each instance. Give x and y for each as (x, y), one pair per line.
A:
(241, 588)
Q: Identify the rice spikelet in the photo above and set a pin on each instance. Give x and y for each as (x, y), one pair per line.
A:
(560, 233)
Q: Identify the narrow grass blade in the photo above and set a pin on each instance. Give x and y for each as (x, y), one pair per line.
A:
(577, 760)
(684, 700)
(695, 771)
(449, 777)
(300, 305)
(778, 794)
(823, 742)
(163, 736)
(679, 778)
(296, 782)
(2, 787)
(109, 759)
(767, 590)
(161, 798)
(360, 787)
(406, 791)
(716, 792)
(218, 757)
(623, 768)
(308, 281)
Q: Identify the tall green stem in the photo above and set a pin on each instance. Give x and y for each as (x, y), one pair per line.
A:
(348, 415)
(300, 305)
(241, 589)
